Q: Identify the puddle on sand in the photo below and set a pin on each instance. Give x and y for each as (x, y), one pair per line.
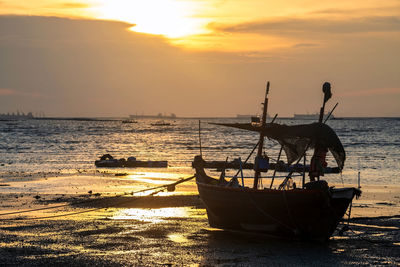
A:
(178, 238)
(153, 215)
(339, 251)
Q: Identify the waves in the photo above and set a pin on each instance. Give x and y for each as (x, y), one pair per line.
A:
(372, 145)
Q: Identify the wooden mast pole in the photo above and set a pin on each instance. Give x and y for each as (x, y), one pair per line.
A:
(261, 140)
(321, 113)
(201, 154)
(326, 89)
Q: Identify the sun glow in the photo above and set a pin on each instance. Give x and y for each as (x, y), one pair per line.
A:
(171, 18)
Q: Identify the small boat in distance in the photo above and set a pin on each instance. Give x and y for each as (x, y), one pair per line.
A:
(253, 118)
(16, 116)
(129, 121)
(310, 211)
(160, 123)
(158, 116)
(108, 161)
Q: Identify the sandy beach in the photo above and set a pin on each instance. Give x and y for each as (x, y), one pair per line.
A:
(109, 110)
(84, 227)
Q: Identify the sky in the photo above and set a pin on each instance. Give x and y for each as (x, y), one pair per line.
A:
(199, 58)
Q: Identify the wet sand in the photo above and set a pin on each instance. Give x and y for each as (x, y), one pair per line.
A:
(172, 229)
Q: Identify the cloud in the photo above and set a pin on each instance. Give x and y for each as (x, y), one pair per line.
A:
(359, 11)
(100, 68)
(59, 29)
(92, 67)
(301, 45)
(72, 5)
(309, 26)
(13, 92)
(5, 91)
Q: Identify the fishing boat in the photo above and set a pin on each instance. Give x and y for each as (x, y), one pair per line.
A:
(311, 211)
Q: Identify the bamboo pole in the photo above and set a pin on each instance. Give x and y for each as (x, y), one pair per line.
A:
(304, 171)
(273, 176)
(330, 113)
(201, 154)
(261, 140)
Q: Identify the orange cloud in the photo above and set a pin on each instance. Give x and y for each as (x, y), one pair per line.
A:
(5, 91)
(309, 26)
(70, 5)
(13, 92)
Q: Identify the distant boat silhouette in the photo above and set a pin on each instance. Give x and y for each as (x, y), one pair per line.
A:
(17, 116)
(129, 121)
(161, 123)
(158, 116)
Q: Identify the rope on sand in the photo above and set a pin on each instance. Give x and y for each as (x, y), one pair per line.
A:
(169, 187)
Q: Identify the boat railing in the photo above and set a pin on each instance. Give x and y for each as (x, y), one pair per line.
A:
(252, 177)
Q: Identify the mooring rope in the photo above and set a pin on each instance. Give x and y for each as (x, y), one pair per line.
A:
(163, 187)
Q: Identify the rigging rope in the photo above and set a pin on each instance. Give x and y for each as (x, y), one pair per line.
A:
(163, 187)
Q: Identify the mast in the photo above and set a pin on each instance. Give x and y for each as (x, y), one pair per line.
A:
(326, 89)
(261, 140)
(201, 154)
(319, 155)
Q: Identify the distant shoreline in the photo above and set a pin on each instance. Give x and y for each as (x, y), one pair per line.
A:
(188, 118)
(111, 119)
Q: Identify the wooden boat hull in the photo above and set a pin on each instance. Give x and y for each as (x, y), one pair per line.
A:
(297, 213)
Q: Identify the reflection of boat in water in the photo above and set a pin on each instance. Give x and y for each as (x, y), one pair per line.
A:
(314, 116)
(310, 211)
(108, 161)
(161, 123)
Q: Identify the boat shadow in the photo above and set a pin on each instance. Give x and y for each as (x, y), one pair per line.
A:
(369, 241)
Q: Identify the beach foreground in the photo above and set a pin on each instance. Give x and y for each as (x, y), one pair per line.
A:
(172, 229)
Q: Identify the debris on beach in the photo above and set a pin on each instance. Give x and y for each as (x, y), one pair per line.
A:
(122, 174)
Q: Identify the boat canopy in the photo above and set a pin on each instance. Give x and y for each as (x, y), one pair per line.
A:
(296, 139)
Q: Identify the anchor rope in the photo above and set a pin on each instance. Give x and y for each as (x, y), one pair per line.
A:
(163, 187)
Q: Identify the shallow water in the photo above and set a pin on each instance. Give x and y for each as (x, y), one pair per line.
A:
(33, 146)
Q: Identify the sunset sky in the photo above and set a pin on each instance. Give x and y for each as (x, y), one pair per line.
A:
(198, 58)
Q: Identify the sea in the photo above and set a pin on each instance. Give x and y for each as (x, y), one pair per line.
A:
(372, 145)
